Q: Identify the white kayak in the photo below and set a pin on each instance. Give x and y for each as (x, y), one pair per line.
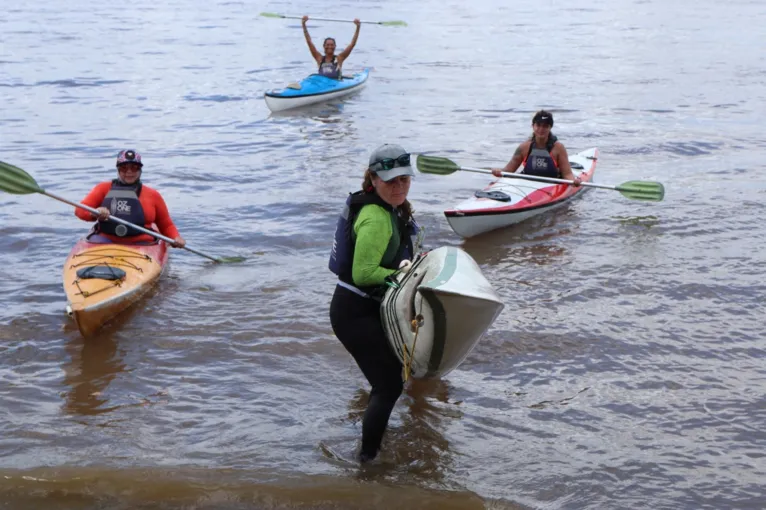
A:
(442, 308)
(314, 89)
(509, 200)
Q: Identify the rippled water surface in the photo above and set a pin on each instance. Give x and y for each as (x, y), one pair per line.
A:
(626, 370)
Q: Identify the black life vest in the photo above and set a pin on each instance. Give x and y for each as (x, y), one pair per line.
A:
(123, 202)
(343, 246)
(539, 161)
(330, 69)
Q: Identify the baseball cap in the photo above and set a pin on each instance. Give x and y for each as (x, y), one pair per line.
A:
(129, 156)
(543, 117)
(390, 161)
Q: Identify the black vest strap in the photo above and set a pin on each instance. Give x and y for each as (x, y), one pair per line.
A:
(552, 139)
(358, 200)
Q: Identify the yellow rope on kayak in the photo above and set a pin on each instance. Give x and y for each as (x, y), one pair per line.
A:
(408, 356)
(113, 258)
(118, 259)
(85, 293)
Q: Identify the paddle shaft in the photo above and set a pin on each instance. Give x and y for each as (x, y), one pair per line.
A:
(152, 233)
(330, 19)
(537, 178)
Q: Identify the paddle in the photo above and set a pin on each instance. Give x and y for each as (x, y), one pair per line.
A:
(636, 190)
(384, 23)
(16, 181)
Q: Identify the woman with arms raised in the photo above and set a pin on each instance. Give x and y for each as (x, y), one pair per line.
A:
(330, 64)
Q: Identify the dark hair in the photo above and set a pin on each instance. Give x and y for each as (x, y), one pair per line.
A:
(537, 119)
(329, 39)
(367, 187)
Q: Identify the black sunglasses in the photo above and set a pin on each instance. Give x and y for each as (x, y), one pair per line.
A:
(389, 163)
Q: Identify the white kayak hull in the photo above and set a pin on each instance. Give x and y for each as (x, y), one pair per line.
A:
(519, 199)
(452, 304)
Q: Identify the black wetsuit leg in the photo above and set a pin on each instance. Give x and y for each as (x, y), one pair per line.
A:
(356, 322)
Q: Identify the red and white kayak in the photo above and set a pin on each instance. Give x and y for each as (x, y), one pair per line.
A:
(509, 200)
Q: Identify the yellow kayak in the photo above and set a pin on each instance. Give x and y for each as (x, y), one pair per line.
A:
(103, 279)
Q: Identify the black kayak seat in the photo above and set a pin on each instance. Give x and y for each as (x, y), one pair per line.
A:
(493, 195)
(101, 273)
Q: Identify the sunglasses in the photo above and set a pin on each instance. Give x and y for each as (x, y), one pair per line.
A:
(389, 163)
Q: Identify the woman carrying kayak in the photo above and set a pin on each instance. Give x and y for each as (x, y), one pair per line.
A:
(330, 64)
(542, 155)
(127, 198)
(373, 238)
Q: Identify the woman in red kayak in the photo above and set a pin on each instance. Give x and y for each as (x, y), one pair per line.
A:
(330, 64)
(542, 155)
(128, 199)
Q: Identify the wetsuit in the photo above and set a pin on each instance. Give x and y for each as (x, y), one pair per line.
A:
(378, 247)
(155, 211)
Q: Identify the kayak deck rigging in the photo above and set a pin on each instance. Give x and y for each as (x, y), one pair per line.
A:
(96, 259)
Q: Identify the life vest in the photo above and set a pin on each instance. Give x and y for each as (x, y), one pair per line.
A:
(330, 69)
(400, 246)
(539, 161)
(122, 202)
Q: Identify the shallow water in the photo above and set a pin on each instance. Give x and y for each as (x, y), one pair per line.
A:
(625, 371)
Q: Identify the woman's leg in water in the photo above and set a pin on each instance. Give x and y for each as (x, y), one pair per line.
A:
(356, 322)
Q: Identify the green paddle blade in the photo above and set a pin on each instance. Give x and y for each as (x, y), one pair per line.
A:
(230, 260)
(393, 23)
(270, 15)
(15, 180)
(642, 190)
(436, 165)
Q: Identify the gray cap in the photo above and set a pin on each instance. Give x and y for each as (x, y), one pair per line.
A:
(389, 151)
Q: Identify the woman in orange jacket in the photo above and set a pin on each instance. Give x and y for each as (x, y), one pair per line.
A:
(129, 199)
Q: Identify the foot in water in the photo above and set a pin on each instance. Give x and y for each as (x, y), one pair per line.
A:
(366, 457)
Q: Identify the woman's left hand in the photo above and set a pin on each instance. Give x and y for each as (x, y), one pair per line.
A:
(577, 181)
(357, 22)
(179, 242)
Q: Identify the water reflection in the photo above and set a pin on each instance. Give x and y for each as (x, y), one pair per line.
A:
(536, 251)
(95, 362)
(315, 112)
(641, 221)
(537, 240)
(320, 122)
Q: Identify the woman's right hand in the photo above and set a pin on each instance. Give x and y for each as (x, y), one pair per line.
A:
(497, 172)
(103, 214)
(304, 20)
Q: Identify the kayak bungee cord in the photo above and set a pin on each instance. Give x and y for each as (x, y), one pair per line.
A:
(86, 294)
(94, 257)
(112, 262)
(408, 357)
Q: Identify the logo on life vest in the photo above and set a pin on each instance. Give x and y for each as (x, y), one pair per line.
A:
(541, 163)
(119, 207)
